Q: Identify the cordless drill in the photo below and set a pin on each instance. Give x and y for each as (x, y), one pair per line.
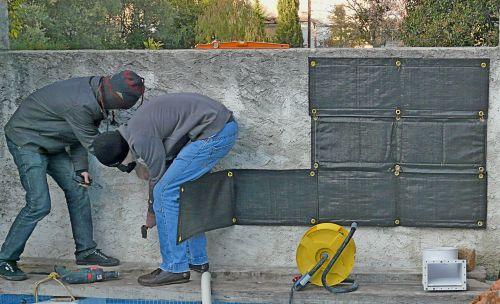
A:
(85, 275)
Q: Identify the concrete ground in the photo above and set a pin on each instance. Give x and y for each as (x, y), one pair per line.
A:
(249, 286)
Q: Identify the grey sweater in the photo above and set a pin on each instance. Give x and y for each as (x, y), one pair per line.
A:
(163, 125)
(63, 116)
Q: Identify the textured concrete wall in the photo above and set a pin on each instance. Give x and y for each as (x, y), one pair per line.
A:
(267, 90)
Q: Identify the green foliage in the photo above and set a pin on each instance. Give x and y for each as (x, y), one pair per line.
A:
(15, 24)
(78, 24)
(151, 44)
(288, 29)
(374, 21)
(142, 19)
(185, 19)
(27, 29)
(97, 24)
(342, 29)
(60, 24)
(451, 23)
(258, 19)
(230, 20)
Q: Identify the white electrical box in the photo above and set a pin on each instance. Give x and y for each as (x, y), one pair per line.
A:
(441, 270)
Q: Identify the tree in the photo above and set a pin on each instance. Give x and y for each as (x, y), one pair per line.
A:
(14, 8)
(185, 19)
(229, 20)
(375, 20)
(80, 24)
(288, 29)
(143, 19)
(451, 23)
(257, 26)
(342, 29)
(95, 24)
(57, 24)
(27, 25)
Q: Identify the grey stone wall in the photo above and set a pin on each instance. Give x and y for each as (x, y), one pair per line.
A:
(267, 90)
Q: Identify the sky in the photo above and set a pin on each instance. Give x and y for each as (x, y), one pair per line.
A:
(320, 9)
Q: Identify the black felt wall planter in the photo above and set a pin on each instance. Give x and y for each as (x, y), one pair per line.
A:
(403, 137)
(395, 141)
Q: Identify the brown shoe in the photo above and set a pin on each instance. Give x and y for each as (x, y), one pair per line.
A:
(159, 277)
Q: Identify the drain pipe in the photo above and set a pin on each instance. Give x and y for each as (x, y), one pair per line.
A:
(206, 289)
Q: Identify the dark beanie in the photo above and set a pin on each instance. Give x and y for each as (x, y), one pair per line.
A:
(110, 148)
(122, 90)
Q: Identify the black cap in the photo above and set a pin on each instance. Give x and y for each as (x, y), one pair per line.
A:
(122, 90)
(110, 148)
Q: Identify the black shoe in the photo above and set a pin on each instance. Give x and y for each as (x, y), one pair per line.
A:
(160, 277)
(10, 271)
(98, 258)
(199, 268)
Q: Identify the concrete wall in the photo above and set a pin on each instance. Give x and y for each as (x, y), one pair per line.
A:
(267, 90)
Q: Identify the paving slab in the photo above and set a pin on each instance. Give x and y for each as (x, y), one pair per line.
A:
(248, 286)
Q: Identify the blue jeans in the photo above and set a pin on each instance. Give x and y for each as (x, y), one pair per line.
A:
(194, 160)
(33, 168)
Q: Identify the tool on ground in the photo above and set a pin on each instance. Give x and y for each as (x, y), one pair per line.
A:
(321, 243)
(85, 275)
(52, 276)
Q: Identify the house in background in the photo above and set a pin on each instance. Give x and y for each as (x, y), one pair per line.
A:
(320, 31)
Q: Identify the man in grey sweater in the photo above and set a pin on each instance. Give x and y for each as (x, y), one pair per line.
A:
(179, 137)
(50, 133)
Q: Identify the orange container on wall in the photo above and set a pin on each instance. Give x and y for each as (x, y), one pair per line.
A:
(241, 45)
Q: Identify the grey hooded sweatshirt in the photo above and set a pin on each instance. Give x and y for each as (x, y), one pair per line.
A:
(63, 116)
(165, 124)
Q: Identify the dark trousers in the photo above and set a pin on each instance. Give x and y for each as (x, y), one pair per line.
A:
(33, 168)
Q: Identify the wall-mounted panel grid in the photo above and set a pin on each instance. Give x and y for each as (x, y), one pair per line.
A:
(419, 125)
(395, 141)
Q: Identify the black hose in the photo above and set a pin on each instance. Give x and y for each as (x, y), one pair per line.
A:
(308, 275)
(349, 285)
(324, 257)
(353, 285)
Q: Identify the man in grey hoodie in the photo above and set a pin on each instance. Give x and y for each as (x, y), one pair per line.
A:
(180, 137)
(50, 133)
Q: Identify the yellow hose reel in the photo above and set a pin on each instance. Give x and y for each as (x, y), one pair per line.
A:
(326, 237)
(325, 257)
